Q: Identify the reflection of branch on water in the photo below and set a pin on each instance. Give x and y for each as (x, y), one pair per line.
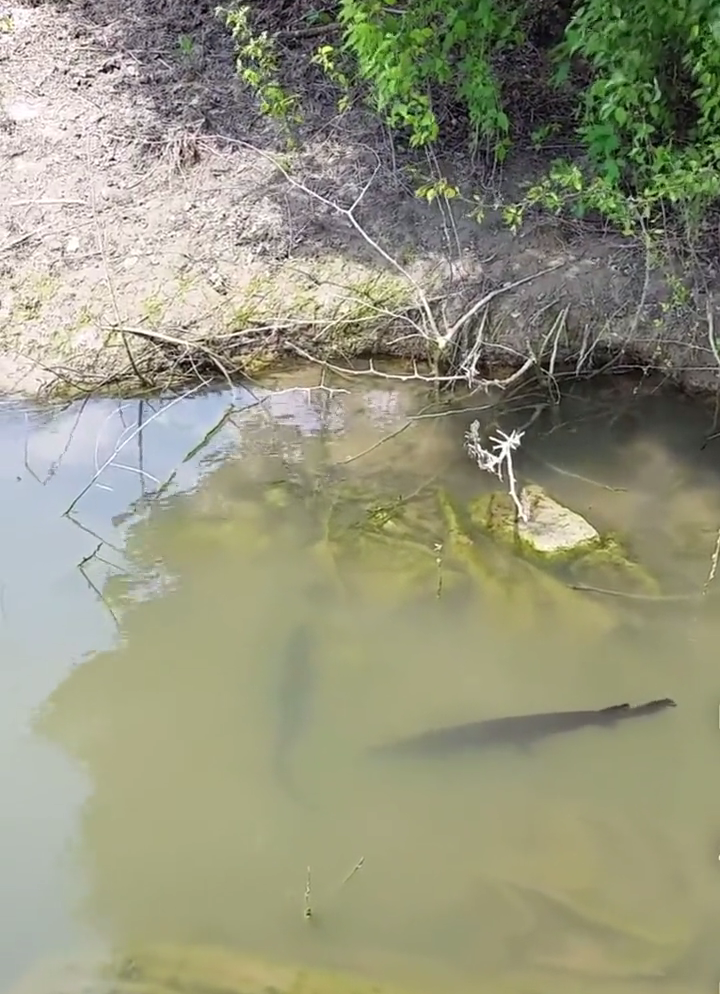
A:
(133, 434)
(55, 464)
(141, 446)
(650, 598)
(81, 566)
(376, 445)
(93, 534)
(210, 435)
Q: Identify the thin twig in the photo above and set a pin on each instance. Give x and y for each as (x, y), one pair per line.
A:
(713, 564)
(438, 549)
(650, 598)
(308, 912)
(14, 242)
(312, 32)
(93, 534)
(141, 446)
(45, 201)
(55, 464)
(358, 866)
(375, 445)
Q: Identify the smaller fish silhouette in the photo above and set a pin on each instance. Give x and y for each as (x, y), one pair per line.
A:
(295, 690)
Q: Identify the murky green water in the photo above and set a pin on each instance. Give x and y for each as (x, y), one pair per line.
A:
(141, 704)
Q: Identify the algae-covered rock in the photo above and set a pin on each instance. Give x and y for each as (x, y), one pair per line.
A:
(519, 593)
(555, 535)
(548, 528)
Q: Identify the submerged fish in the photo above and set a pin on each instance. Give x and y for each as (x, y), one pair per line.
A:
(294, 693)
(520, 730)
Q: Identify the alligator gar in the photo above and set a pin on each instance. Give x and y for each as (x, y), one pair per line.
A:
(519, 730)
(295, 692)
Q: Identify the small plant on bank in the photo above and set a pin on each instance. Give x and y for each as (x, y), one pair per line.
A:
(186, 46)
(327, 58)
(258, 66)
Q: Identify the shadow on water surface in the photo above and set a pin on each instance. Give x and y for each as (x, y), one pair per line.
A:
(296, 615)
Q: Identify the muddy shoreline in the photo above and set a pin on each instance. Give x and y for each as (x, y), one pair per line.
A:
(154, 231)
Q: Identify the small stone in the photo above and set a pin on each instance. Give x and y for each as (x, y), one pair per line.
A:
(20, 110)
(549, 527)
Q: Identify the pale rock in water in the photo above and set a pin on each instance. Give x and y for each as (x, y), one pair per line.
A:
(549, 527)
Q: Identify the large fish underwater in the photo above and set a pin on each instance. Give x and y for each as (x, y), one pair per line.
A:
(294, 696)
(522, 731)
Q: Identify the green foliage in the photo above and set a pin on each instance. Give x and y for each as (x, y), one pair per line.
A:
(647, 97)
(326, 57)
(406, 53)
(650, 117)
(257, 65)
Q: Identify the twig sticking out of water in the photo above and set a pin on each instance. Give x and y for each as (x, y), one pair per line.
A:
(307, 913)
(358, 866)
(713, 564)
(492, 462)
(348, 877)
(438, 563)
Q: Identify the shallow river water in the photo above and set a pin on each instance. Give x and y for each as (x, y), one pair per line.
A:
(187, 711)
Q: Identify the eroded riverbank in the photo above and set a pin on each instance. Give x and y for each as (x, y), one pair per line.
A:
(148, 239)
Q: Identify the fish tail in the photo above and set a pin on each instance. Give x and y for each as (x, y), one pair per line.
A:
(615, 707)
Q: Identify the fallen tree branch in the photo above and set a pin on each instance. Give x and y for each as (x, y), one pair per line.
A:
(415, 375)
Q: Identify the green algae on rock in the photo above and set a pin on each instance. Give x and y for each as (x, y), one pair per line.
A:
(552, 534)
(548, 529)
(520, 592)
